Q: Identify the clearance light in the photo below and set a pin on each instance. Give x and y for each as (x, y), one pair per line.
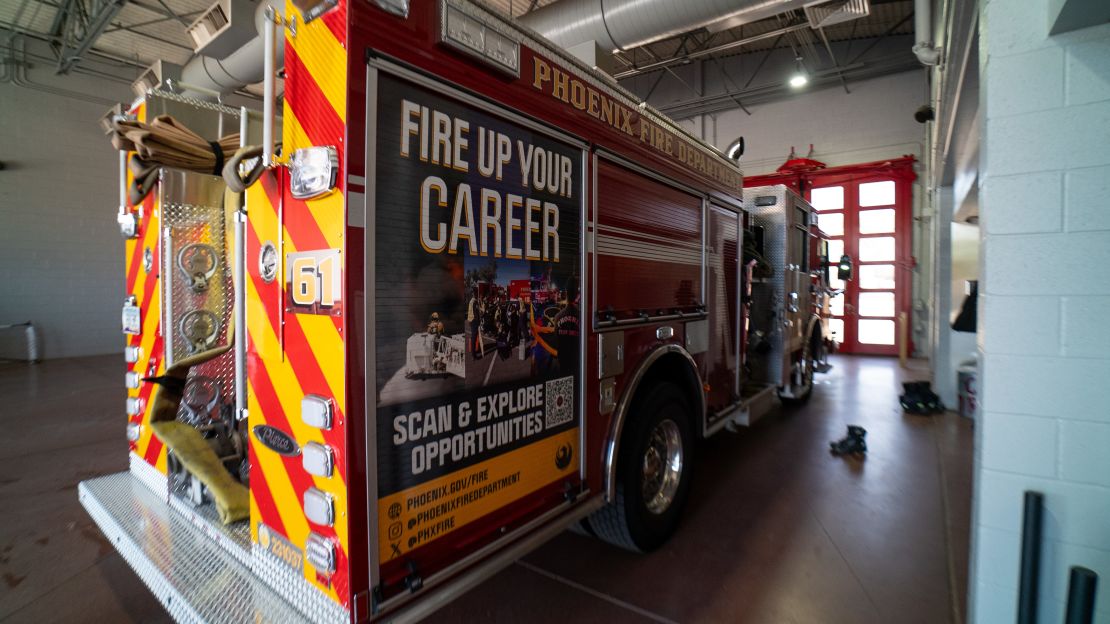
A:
(134, 431)
(319, 507)
(316, 411)
(313, 171)
(317, 459)
(132, 354)
(131, 379)
(135, 406)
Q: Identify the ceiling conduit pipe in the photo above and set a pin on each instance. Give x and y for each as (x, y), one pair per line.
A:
(923, 33)
(622, 24)
(243, 67)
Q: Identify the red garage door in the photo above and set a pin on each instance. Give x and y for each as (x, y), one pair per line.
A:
(867, 211)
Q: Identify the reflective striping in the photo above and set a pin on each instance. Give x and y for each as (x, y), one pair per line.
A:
(294, 354)
(148, 296)
(305, 99)
(326, 63)
(261, 499)
(336, 21)
(279, 379)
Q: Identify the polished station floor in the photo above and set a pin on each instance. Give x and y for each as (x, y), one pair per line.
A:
(777, 529)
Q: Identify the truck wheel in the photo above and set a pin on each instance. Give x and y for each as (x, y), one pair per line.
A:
(804, 389)
(653, 473)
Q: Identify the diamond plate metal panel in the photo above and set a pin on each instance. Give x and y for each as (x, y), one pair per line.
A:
(235, 539)
(768, 296)
(149, 476)
(195, 579)
(283, 580)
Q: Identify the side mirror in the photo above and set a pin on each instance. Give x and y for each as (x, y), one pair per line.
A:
(844, 268)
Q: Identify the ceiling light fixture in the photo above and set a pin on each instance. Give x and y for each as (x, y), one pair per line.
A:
(799, 79)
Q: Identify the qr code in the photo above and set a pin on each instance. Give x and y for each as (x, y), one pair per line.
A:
(560, 401)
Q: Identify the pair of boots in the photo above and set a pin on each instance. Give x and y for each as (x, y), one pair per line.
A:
(920, 399)
(852, 444)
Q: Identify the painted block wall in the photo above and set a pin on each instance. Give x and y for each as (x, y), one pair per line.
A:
(61, 255)
(873, 122)
(1044, 338)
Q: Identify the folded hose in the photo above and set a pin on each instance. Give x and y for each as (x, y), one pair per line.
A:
(237, 183)
(165, 142)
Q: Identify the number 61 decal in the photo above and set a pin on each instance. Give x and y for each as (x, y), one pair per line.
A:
(312, 282)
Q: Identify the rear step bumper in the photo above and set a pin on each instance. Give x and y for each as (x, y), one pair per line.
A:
(194, 577)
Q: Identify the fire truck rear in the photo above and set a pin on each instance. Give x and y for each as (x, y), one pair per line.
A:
(472, 295)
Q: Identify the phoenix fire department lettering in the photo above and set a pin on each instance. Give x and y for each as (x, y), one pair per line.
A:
(476, 213)
(575, 92)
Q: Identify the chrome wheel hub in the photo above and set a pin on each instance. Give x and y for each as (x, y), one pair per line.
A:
(662, 466)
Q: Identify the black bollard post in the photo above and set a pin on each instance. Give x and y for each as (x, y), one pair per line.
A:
(1030, 558)
(1081, 596)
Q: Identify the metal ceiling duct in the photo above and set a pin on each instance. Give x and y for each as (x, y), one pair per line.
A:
(622, 24)
(240, 68)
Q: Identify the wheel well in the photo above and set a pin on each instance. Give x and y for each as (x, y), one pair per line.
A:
(669, 363)
(676, 369)
(814, 334)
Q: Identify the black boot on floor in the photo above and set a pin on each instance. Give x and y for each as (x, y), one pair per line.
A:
(852, 444)
(920, 399)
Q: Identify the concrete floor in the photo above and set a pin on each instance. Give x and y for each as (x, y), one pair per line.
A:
(777, 530)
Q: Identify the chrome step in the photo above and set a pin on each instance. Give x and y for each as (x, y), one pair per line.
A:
(195, 578)
(756, 401)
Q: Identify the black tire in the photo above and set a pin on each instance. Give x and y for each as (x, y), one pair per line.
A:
(627, 521)
(807, 380)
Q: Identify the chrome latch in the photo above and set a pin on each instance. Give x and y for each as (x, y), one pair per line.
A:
(199, 328)
(198, 262)
(199, 398)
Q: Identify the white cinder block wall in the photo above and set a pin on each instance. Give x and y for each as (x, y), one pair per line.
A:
(61, 255)
(1044, 328)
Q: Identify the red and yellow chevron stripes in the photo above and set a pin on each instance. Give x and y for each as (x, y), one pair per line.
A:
(144, 285)
(289, 354)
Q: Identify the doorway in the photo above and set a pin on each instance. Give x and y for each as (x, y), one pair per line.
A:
(867, 212)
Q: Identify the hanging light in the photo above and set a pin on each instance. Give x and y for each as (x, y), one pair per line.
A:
(799, 79)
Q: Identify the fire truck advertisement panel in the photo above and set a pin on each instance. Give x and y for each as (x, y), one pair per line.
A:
(477, 316)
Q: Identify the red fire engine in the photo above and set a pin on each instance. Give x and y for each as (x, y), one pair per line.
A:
(321, 411)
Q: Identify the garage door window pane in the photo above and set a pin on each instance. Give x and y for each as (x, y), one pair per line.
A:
(876, 194)
(876, 304)
(876, 276)
(876, 249)
(831, 223)
(828, 198)
(836, 305)
(836, 328)
(876, 221)
(876, 332)
(836, 249)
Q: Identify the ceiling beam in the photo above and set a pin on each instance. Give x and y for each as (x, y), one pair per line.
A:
(724, 47)
(96, 24)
